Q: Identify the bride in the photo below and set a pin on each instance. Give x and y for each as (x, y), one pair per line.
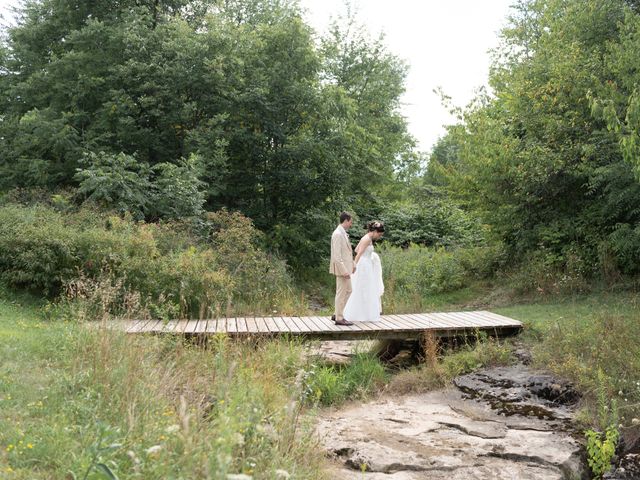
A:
(364, 304)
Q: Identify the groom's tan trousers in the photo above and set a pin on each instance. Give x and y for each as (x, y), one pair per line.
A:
(341, 265)
(343, 292)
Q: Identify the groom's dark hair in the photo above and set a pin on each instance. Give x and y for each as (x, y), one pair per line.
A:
(344, 216)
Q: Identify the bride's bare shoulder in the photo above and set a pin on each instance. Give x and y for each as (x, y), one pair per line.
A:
(364, 242)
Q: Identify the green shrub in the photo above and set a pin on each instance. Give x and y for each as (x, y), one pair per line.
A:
(437, 223)
(625, 244)
(545, 272)
(330, 385)
(601, 447)
(119, 182)
(37, 251)
(116, 265)
(124, 184)
(420, 270)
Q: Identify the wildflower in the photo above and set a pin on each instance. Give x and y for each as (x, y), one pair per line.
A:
(238, 438)
(131, 454)
(153, 451)
(29, 445)
(172, 428)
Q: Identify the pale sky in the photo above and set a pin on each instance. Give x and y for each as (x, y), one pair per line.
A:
(445, 43)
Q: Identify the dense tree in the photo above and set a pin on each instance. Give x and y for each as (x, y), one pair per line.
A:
(533, 160)
(286, 129)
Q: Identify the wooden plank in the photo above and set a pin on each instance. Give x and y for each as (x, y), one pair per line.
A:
(326, 324)
(423, 320)
(308, 324)
(455, 320)
(221, 325)
(230, 326)
(491, 321)
(202, 326)
(281, 325)
(386, 323)
(467, 320)
(411, 321)
(401, 324)
(431, 319)
(447, 321)
(272, 326)
(241, 325)
(252, 327)
(389, 326)
(373, 326)
(130, 325)
(152, 326)
(313, 326)
(482, 320)
(137, 326)
(391, 323)
(191, 326)
(212, 325)
(292, 324)
(261, 325)
(365, 326)
(500, 318)
(169, 327)
(349, 328)
(182, 324)
(443, 322)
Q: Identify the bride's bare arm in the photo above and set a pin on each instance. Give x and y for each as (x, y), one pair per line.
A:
(362, 246)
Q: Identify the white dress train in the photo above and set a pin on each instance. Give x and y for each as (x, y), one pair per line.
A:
(364, 304)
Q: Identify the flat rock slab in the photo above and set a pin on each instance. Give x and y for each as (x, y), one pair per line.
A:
(444, 435)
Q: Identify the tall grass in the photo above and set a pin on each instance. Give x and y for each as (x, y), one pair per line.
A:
(441, 364)
(335, 384)
(418, 278)
(147, 407)
(592, 340)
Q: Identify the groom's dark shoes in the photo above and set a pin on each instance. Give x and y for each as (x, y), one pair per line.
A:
(341, 322)
(344, 322)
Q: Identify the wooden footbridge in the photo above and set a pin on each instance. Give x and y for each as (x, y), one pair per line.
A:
(407, 326)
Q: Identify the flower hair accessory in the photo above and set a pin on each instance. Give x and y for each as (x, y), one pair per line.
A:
(375, 226)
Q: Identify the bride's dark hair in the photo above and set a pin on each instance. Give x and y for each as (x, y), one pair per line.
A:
(375, 226)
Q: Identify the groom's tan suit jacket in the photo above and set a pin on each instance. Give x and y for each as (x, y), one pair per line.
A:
(341, 263)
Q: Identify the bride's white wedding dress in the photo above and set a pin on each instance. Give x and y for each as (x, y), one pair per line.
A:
(364, 304)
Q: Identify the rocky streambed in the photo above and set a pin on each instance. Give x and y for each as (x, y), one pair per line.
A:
(501, 423)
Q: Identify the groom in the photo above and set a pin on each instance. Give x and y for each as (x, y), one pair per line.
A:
(342, 266)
